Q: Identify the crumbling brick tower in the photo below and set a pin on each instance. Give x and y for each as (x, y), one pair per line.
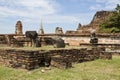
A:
(18, 28)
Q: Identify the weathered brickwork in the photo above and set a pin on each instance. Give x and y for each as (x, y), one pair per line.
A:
(99, 17)
(59, 58)
(18, 28)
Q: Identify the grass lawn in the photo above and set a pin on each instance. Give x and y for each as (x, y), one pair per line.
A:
(94, 70)
(41, 48)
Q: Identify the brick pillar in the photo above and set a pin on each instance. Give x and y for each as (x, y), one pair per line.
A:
(18, 28)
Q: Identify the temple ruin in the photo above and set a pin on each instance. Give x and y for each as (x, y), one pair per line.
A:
(41, 31)
(71, 38)
(99, 17)
(62, 57)
(18, 28)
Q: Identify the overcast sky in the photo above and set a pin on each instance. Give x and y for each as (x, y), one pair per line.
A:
(53, 13)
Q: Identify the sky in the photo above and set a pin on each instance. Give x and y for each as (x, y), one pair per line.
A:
(53, 13)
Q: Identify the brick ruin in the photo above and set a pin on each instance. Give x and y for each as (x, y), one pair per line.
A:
(74, 38)
(62, 58)
(18, 28)
(99, 17)
(41, 31)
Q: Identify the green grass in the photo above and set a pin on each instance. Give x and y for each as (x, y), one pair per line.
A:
(94, 70)
(41, 48)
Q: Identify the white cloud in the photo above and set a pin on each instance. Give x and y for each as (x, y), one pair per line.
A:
(26, 8)
(33, 11)
(54, 19)
(96, 7)
(39, 5)
(105, 5)
(83, 18)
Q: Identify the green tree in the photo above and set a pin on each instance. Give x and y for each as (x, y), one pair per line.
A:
(117, 8)
(112, 24)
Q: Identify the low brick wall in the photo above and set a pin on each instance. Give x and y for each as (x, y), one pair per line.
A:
(62, 58)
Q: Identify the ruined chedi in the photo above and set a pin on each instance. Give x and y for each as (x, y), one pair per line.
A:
(98, 18)
(18, 28)
(41, 31)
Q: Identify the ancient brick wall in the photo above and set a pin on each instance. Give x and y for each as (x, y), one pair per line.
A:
(71, 39)
(59, 58)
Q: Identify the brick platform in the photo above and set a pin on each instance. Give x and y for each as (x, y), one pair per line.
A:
(62, 58)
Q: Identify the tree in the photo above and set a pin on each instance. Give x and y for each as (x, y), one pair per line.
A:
(118, 8)
(112, 24)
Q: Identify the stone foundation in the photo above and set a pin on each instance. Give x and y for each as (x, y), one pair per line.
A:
(62, 58)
